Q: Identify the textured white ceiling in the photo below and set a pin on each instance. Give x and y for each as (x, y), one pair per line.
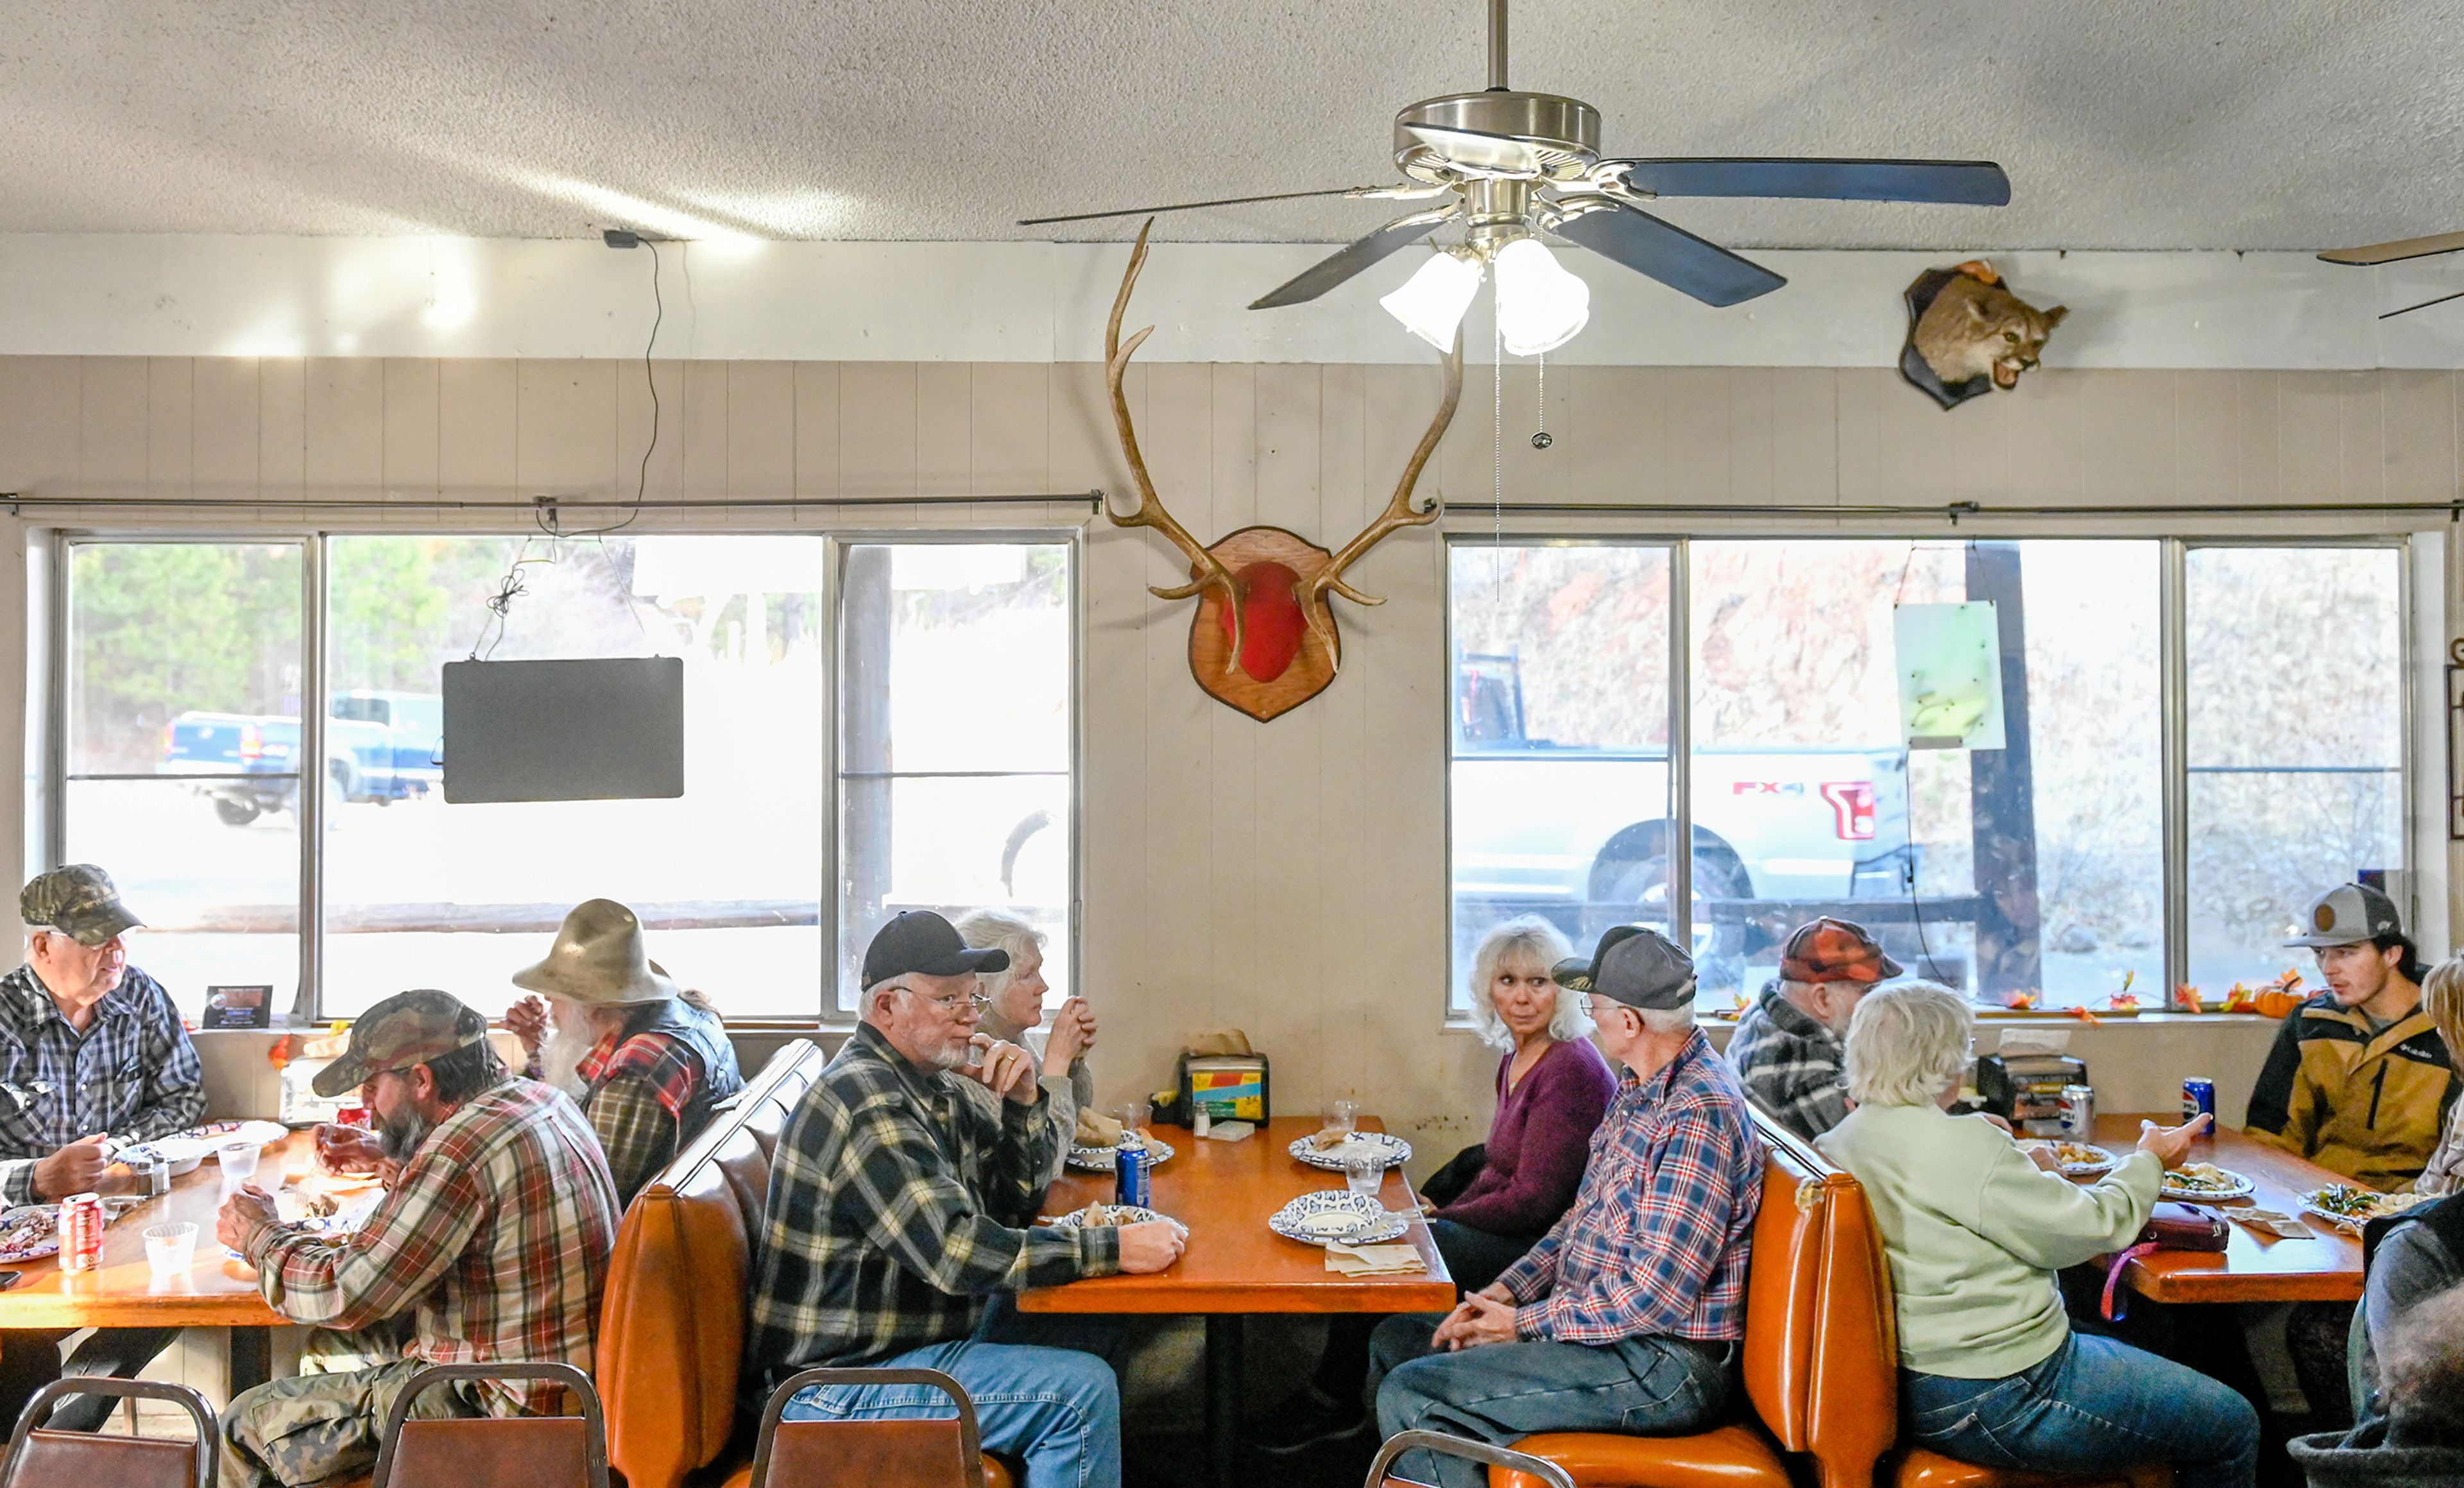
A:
(2124, 123)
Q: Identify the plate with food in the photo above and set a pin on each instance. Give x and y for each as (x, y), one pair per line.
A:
(183, 1152)
(1101, 1159)
(2204, 1183)
(1337, 1215)
(1101, 1214)
(1331, 1149)
(30, 1233)
(2076, 1159)
(2350, 1208)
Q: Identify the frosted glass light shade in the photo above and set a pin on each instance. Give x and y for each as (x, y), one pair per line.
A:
(1540, 306)
(1432, 302)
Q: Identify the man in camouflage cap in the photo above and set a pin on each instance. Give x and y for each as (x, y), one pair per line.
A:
(491, 1243)
(90, 1048)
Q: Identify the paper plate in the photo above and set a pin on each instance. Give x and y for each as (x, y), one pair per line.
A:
(1112, 1213)
(1100, 1159)
(1393, 1149)
(2348, 1207)
(2210, 1184)
(220, 1134)
(183, 1153)
(1337, 1215)
(28, 1232)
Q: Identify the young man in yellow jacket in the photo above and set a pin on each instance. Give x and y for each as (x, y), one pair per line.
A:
(2358, 1081)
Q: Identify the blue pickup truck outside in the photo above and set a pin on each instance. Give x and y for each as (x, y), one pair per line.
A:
(380, 747)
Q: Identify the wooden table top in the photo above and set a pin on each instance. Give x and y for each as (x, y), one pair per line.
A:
(217, 1292)
(1223, 1191)
(2324, 1266)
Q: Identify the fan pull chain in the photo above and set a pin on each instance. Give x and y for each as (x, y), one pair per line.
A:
(1496, 476)
(1540, 438)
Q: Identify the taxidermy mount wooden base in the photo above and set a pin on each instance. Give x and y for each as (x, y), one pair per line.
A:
(1264, 640)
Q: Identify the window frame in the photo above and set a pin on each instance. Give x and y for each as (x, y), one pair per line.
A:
(54, 549)
(2173, 696)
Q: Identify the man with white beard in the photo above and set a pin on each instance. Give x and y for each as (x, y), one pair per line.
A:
(647, 1060)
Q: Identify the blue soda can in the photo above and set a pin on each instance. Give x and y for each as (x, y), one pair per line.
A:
(2198, 1099)
(1129, 1182)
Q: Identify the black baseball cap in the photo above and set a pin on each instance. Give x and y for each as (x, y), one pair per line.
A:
(1635, 965)
(919, 941)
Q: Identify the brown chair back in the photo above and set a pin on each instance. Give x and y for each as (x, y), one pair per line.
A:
(494, 1452)
(1821, 1355)
(671, 1329)
(899, 1454)
(39, 1458)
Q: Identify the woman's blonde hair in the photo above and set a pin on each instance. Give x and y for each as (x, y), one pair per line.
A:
(1906, 1043)
(1534, 942)
(2442, 996)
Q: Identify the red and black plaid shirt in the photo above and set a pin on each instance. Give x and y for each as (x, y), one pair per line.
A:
(496, 1236)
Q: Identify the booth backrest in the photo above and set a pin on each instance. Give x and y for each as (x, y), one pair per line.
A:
(1821, 1357)
(672, 1330)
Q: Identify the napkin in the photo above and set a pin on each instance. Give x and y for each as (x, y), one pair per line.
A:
(1229, 1130)
(1372, 1259)
(2283, 1226)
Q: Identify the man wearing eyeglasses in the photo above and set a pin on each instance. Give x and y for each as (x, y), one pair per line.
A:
(1628, 1315)
(901, 1218)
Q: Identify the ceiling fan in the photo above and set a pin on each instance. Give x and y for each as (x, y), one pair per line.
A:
(1508, 165)
(2397, 251)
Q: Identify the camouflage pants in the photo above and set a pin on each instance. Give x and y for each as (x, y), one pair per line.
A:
(327, 1421)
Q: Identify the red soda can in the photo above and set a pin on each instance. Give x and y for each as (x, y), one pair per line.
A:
(81, 1222)
(353, 1116)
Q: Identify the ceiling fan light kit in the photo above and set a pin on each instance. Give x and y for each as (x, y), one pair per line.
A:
(1507, 167)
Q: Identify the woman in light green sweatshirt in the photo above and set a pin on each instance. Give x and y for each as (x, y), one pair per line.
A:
(1975, 1229)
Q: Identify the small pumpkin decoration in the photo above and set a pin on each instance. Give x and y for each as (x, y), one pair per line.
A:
(2276, 1002)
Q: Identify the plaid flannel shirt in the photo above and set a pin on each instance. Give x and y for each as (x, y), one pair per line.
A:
(132, 1073)
(897, 1208)
(1789, 1066)
(638, 1087)
(496, 1236)
(1657, 1242)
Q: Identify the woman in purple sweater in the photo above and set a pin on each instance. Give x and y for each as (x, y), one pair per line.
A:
(1495, 1201)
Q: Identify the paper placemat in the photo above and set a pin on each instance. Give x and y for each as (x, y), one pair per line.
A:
(2283, 1226)
(1372, 1259)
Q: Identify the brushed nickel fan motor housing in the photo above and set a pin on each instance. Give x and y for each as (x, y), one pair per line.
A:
(1563, 132)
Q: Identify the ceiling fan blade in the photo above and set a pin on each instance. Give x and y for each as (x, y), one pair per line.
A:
(2400, 248)
(1972, 182)
(1225, 201)
(1478, 149)
(1669, 254)
(1352, 258)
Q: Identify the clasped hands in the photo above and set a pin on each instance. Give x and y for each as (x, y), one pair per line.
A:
(1483, 1317)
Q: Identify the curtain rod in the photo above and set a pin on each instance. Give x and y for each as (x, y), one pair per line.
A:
(1952, 511)
(541, 505)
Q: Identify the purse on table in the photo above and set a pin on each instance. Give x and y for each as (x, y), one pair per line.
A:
(2170, 1226)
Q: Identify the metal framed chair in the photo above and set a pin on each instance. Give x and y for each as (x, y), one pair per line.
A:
(47, 1458)
(911, 1453)
(1481, 1452)
(493, 1451)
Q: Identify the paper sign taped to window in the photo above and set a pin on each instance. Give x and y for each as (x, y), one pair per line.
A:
(1950, 674)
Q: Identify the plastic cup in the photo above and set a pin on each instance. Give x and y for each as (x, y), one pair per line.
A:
(1342, 1115)
(1134, 1116)
(1365, 1173)
(171, 1247)
(238, 1160)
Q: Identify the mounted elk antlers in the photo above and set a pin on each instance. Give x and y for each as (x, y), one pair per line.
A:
(1264, 640)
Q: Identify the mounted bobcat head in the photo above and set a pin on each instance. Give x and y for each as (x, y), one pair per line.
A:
(1976, 328)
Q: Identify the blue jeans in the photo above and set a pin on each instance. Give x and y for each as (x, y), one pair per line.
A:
(1503, 1392)
(2096, 1404)
(1042, 1387)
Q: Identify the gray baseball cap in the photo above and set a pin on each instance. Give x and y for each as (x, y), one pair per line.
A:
(2348, 914)
(1635, 965)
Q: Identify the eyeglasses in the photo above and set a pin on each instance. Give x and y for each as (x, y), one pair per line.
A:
(977, 1000)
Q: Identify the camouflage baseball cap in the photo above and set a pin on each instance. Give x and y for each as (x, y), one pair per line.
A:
(78, 899)
(405, 1029)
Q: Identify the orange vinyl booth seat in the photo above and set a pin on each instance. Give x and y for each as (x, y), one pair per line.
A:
(1820, 1368)
(672, 1330)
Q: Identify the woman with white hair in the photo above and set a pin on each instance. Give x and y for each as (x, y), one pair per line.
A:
(1491, 1202)
(1989, 1370)
(1015, 1015)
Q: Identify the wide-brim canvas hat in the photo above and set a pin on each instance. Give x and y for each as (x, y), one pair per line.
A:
(598, 961)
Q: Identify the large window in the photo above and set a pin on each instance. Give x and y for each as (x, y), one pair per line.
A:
(948, 697)
(2032, 871)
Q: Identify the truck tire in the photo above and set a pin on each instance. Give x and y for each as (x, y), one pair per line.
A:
(1630, 882)
(235, 813)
